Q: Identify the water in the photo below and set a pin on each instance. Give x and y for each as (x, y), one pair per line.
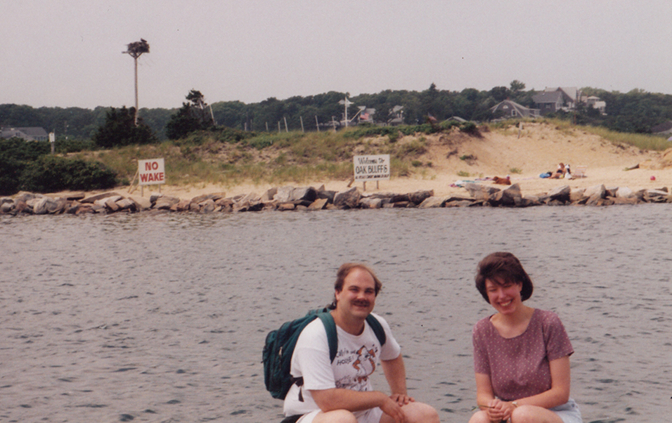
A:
(162, 318)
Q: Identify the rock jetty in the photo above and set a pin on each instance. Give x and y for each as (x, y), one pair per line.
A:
(309, 198)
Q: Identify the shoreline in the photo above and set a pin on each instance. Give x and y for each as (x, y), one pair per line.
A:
(445, 164)
(289, 198)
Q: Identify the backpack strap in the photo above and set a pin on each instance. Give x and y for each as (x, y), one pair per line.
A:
(377, 328)
(332, 337)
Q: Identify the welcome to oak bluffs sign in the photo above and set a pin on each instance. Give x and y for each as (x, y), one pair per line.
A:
(372, 168)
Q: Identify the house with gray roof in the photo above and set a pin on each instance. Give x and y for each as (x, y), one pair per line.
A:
(27, 133)
(511, 109)
(553, 99)
(664, 128)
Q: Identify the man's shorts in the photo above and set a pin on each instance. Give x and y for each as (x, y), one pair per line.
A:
(372, 415)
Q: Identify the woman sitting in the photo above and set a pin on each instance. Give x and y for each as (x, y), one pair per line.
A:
(559, 172)
(521, 354)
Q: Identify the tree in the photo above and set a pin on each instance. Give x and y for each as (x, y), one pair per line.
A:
(192, 116)
(517, 86)
(119, 130)
(500, 93)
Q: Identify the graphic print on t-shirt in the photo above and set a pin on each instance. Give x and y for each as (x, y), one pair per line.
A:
(363, 361)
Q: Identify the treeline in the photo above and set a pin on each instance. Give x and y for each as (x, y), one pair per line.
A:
(636, 111)
(74, 122)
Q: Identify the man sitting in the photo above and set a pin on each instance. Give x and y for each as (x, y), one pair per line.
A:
(340, 391)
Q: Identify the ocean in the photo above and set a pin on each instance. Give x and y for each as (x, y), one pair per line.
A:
(162, 317)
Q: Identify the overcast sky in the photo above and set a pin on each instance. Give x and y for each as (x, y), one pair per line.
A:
(68, 53)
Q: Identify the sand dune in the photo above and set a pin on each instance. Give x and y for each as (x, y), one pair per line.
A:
(523, 155)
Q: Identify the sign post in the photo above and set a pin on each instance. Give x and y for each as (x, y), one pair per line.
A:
(372, 168)
(151, 172)
(52, 141)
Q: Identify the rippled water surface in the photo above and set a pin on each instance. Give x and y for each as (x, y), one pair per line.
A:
(163, 317)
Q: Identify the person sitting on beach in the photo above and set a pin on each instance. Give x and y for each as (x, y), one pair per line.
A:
(568, 173)
(341, 390)
(560, 172)
(521, 354)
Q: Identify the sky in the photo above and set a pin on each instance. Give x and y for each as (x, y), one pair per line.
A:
(68, 53)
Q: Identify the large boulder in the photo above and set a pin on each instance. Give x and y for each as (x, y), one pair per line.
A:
(509, 197)
(165, 202)
(92, 199)
(596, 190)
(480, 192)
(655, 196)
(432, 202)
(267, 197)
(207, 206)
(419, 196)
(126, 204)
(24, 196)
(214, 197)
(327, 194)
(283, 194)
(318, 204)
(576, 195)
(249, 202)
(225, 204)
(141, 203)
(286, 206)
(624, 192)
(559, 194)
(348, 199)
(303, 195)
(111, 203)
(371, 203)
(40, 206)
(6, 207)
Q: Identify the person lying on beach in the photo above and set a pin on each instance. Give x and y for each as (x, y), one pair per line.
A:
(502, 181)
(560, 172)
(341, 390)
(521, 354)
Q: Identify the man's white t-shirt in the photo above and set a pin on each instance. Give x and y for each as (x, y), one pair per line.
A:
(356, 358)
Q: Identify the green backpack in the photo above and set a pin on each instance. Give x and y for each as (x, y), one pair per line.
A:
(280, 343)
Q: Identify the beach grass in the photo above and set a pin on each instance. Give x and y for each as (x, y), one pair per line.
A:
(641, 141)
(229, 157)
(274, 158)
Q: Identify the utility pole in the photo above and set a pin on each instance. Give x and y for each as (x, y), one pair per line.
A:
(135, 50)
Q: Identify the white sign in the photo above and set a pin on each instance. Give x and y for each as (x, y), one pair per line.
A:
(52, 137)
(151, 172)
(372, 168)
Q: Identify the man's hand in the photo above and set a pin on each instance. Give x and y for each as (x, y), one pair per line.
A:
(401, 399)
(392, 408)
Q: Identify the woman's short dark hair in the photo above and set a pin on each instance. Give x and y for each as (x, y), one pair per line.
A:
(502, 268)
(343, 273)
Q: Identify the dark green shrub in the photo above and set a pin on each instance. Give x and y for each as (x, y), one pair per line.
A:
(74, 146)
(469, 128)
(23, 150)
(52, 174)
(120, 130)
(10, 172)
(15, 154)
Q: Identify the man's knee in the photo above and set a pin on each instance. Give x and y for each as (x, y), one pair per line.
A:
(336, 416)
(418, 412)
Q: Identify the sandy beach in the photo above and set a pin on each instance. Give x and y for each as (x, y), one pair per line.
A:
(536, 149)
